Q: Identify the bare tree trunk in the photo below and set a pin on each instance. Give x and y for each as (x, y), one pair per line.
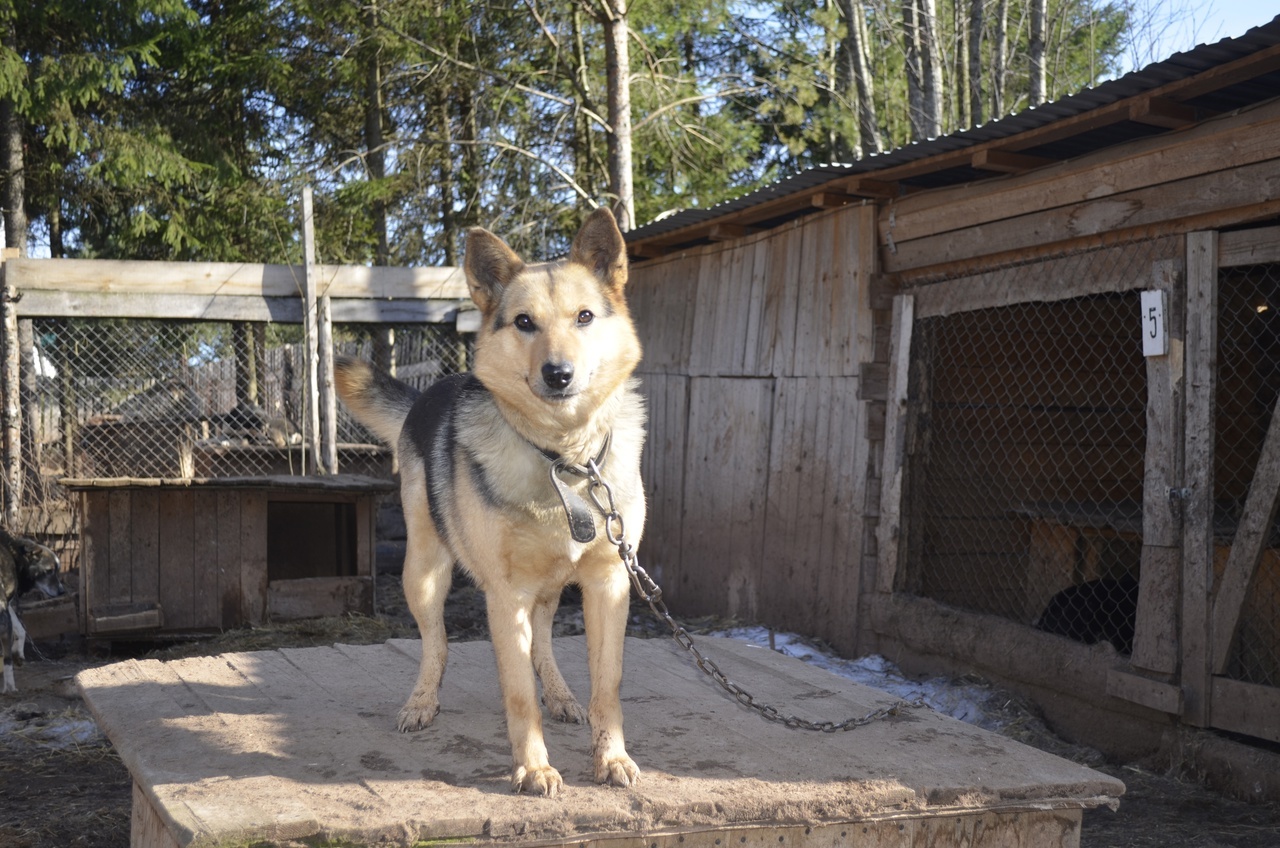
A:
(975, 61)
(1000, 61)
(1036, 51)
(13, 197)
(924, 71)
(855, 66)
(618, 73)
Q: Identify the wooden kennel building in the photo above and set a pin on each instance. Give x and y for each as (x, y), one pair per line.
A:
(185, 514)
(905, 406)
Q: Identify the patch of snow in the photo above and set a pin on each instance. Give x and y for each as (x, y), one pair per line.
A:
(969, 702)
(58, 730)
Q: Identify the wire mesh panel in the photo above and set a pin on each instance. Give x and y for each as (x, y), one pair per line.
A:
(174, 399)
(1025, 489)
(1248, 386)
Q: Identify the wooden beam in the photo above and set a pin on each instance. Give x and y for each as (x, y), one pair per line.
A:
(1246, 708)
(1249, 247)
(1153, 694)
(311, 333)
(1253, 534)
(729, 232)
(1163, 112)
(890, 533)
(1007, 162)
(231, 278)
(830, 199)
(872, 187)
(1199, 434)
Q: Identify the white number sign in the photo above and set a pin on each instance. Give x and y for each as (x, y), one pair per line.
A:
(1155, 339)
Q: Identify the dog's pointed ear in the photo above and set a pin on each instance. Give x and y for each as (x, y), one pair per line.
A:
(599, 247)
(490, 266)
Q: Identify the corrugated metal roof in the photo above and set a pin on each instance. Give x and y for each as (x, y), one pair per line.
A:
(1177, 67)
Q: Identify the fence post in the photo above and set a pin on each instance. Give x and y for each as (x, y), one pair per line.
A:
(311, 331)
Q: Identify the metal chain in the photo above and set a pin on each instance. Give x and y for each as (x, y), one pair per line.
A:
(602, 496)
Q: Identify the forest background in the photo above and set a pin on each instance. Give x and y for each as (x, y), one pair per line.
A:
(164, 129)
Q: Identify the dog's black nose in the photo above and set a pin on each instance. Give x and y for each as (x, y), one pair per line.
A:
(557, 375)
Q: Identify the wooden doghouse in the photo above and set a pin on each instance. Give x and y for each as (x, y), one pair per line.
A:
(180, 556)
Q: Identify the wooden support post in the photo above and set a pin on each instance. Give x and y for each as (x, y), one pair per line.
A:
(12, 418)
(1155, 644)
(1197, 545)
(311, 330)
(328, 396)
(892, 521)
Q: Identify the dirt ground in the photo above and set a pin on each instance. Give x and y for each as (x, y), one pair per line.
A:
(62, 785)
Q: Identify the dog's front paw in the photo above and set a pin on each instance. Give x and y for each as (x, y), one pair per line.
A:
(618, 770)
(417, 714)
(538, 780)
(566, 710)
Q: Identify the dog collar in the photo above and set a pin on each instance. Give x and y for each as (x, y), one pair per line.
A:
(582, 524)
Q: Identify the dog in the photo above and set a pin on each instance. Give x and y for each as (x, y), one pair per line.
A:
(24, 565)
(1095, 611)
(487, 465)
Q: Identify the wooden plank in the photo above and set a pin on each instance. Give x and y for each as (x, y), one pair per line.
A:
(118, 276)
(781, 300)
(271, 746)
(145, 546)
(1246, 708)
(803, 349)
(328, 395)
(1155, 638)
(177, 558)
(147, 828)
(1153, 694)
(119, 577)
(1249, 247)
(311, 432)
(95, 554)
(1167, 202)
(1155, 643)
(310, 597)
(206, 588)
(1164, 436)
(1201, 380)
(663, 468)
(253, 557)
(39, 303)
(754, 312)
(1216, 145)
(707, 289)
(889, 534)
(1253, 533)
(228, 558)
(725, 495)
(1057, 278)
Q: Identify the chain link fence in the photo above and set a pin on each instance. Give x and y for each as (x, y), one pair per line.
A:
(108, 398)
(1248, 386)
(1025, 494)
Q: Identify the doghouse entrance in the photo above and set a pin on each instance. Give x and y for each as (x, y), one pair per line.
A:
(310, 539)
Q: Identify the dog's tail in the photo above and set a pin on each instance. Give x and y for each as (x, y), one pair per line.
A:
(377, 400)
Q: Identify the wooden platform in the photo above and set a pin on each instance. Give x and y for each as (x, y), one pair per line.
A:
(300, 744)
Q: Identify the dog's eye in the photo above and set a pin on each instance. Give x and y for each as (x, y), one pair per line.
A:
(524, 323)
(585, 317)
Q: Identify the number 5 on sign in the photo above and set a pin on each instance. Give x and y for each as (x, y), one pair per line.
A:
(1155, 341)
